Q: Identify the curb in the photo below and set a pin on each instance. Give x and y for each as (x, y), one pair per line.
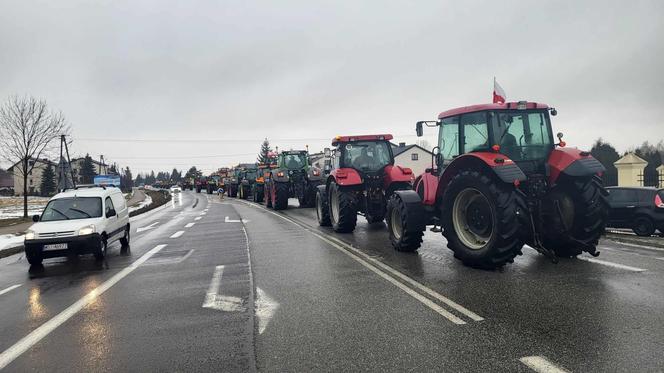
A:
(11, 251)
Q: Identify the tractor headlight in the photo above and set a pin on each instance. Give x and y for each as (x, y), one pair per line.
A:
(30, 235)
(280, 174)
(316, 173)
(88, 229)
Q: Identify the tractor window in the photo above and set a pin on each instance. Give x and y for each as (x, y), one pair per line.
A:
(524, 135)
(475, 132)
(367, 155)
(448, 140)
(295, 161)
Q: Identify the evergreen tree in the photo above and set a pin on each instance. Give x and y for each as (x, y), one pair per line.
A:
(652, 155)
(176, 176)
(126, 179)
(47, 186)
(88, 170)
(139, 179)
(606, 154)
(265, 150)
(150, 179)
(113, 170)
(193, 172)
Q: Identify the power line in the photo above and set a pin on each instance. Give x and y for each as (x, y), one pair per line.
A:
(90, 139)
(185, 157)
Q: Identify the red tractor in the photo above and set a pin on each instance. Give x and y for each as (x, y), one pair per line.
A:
(498, 182)
(362, 178)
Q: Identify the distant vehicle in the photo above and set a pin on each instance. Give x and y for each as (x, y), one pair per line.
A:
(79, 221)
(640, 209)
(175, 189)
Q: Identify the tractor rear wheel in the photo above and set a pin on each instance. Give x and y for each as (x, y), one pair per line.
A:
(343, 209)
(268, 196)
(322, 207)
(280, 195)
(482, 220)
(403, 237)
(578, 211)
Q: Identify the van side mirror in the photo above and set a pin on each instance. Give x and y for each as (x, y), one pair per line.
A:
(111, 213)
(35, 218)
(418, 129)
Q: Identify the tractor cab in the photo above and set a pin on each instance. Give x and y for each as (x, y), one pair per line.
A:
(293, 160)
(369, 155)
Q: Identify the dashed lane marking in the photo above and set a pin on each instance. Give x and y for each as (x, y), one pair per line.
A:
(46, 328)
(373, 264)
(612, 264)
(7, 290)
(189, 225)
(177, 234)
(541, 365)
(198, 218)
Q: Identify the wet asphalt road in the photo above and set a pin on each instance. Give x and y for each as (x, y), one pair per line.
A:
(245, 289)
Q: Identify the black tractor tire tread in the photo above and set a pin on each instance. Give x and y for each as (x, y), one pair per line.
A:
(324, 215)
(347, 211)
(593, 215)
(281, 196)
(511, 218)
(411, 239)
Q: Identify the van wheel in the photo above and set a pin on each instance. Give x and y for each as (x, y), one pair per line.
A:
(124, 241)
(101, 251)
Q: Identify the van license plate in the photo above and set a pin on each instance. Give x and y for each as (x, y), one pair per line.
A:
(55, 246)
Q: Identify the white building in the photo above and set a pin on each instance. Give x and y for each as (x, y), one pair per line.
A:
(34, 176)
(412, 156)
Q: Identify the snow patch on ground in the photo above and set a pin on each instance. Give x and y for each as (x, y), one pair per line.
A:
(12, 207)
(8, 241)
(146, 202)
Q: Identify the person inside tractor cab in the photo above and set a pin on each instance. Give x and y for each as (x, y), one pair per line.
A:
(508, 143)
(363, 161)
(294, 161)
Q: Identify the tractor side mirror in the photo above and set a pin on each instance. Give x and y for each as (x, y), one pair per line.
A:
(418, 129)
(559, 135)
(554, 112)
(561, 143)
(327, 152)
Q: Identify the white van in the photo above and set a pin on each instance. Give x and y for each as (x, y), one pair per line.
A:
(84, 220)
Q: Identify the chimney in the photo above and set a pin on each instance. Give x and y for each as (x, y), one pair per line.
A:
(402, 144)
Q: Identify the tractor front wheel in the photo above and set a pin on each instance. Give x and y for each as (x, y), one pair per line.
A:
(404, 236)
(482, 220)
(343, 209)
(322, 207)
(578, 210)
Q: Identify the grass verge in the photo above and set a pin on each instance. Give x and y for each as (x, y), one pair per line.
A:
(159, 197)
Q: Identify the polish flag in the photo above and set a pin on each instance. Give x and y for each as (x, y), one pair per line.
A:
(499, 95)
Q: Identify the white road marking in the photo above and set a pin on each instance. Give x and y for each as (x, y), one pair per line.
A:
(198, 218)
(189, 225)
(265, 309)
(426, 301)
(46, 328)
(139, 230)
(177, 234)
(203, 213)
(541, 365)
(221, 302)
(611, 264)
(9, 289)
(229, 220)
(634, 245)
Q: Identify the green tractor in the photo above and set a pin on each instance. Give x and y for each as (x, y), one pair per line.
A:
(246, 181)
(258, 187)
(213, 183)
(293, 177)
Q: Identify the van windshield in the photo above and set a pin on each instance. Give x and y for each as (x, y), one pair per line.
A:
(72, 208)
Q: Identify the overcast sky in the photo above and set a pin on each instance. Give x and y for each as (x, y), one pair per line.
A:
(288, 70)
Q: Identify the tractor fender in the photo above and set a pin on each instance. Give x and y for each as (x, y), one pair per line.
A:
(397, 174)
(345, 177)
(572, 162)
(499, 164)
(426, 186)
(311, 174)
(284, 178)
(416, 215)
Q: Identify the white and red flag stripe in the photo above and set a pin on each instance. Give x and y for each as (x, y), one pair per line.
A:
(499, 95)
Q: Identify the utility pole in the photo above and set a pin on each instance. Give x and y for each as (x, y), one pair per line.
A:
(64, 167)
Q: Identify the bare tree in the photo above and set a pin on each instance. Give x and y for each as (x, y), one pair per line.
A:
(27, 130)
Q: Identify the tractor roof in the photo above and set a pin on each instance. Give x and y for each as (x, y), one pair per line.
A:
(483, 107)
(342, 139)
